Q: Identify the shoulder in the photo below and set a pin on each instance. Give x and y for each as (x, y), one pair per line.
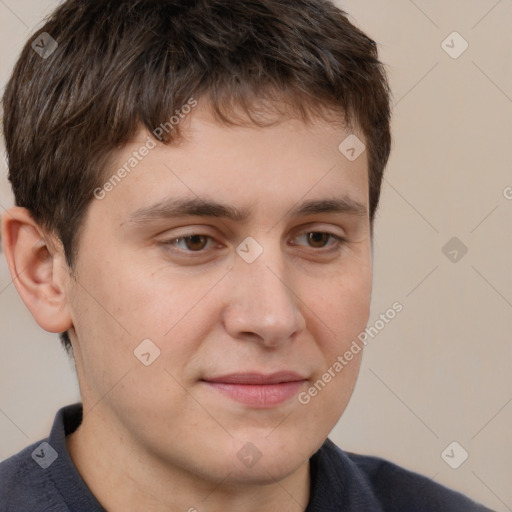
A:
(400, 489)
(36, 478)
(393, 487)
(23, 482)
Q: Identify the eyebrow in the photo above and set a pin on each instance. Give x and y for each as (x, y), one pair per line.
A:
(173, 208)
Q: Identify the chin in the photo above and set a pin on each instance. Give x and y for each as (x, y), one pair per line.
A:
(262, 460)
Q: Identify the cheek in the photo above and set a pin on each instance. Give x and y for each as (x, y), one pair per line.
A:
(117, 305)
(141, 300)
(339, 355)
(352, 312)
(337, 317)
(339, 306)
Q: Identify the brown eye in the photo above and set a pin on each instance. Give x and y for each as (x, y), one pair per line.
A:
(195, 242)
(317, 239)
(321, 240)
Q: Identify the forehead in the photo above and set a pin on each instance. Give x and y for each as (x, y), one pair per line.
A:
(273, 166)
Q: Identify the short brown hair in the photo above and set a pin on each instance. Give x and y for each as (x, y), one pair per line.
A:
(127, 64)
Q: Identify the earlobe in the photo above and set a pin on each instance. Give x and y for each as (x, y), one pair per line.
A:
(32, 260)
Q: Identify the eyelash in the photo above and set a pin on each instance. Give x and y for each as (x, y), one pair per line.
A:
(338, 242)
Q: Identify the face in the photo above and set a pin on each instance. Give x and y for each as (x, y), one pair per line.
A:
(243, 258)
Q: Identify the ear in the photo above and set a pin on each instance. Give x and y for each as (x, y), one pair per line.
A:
(38, 269)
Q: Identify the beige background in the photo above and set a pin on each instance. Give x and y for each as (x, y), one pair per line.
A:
(441, 370)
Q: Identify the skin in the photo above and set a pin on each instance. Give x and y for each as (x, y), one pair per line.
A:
(157, 437)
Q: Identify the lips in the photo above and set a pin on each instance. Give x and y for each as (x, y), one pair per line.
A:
(256, 389)
(257, 378)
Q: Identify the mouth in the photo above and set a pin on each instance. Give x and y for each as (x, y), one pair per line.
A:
(256, 389)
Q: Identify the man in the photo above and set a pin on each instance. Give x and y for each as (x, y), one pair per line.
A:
(196, 183)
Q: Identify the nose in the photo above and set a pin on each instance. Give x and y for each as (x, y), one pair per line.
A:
(263, 306)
